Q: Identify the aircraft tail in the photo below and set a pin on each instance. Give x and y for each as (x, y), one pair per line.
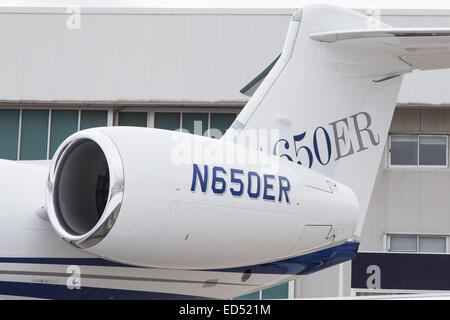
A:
(331, 93)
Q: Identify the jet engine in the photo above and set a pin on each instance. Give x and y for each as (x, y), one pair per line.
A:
(157, 198)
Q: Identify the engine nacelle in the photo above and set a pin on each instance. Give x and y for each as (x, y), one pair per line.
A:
(157, 198)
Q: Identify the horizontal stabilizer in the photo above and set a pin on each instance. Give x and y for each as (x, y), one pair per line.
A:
(423, 49)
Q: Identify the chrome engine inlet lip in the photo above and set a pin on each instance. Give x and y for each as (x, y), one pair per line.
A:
(115, 195)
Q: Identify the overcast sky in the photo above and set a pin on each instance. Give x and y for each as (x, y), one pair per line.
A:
(356, 4)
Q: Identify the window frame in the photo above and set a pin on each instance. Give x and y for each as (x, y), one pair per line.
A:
(402, 235)
(50, 108)
(418, 237)
(112, 115)
(418, 166)
(291, 291)
(182, 111)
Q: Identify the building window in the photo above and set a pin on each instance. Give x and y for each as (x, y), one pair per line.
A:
(134, 119)
(213, 125)
(167, 120)
(63, 124)
(195, 123)
(280, 291)
(220, 122)
(9, 133)
(417, 243)
(433, 244)
(418, 150)
(93, 118)
(403, 244)
(35, 134)
(433, 151)
(250, 296)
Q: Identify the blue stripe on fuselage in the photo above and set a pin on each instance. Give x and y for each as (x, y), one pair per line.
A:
(304, 264)
(300, 265)
(61, 292)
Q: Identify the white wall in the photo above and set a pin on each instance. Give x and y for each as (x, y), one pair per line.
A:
(135, 57)
(163, 55)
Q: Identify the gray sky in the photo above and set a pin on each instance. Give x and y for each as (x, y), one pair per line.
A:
(357, 4)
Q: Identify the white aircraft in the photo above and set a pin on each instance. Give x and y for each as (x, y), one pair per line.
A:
(123, 212)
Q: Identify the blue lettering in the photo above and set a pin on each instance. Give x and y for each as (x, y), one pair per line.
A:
(268, 186)
(249, 191)
(284, 188)
(216, 179)
(316, 147)
(203, 180)
(238, 181)
(342, 134)
(219, 183)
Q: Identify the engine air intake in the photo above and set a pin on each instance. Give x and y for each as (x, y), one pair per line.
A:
(85, 188)
(81, 187)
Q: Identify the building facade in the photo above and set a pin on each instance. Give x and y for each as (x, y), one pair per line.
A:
(69, 69)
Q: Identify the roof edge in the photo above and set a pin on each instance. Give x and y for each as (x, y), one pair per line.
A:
(201, 11)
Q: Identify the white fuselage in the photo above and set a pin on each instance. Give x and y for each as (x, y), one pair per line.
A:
(176, 221)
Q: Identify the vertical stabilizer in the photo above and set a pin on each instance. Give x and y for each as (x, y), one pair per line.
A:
(332, 93)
